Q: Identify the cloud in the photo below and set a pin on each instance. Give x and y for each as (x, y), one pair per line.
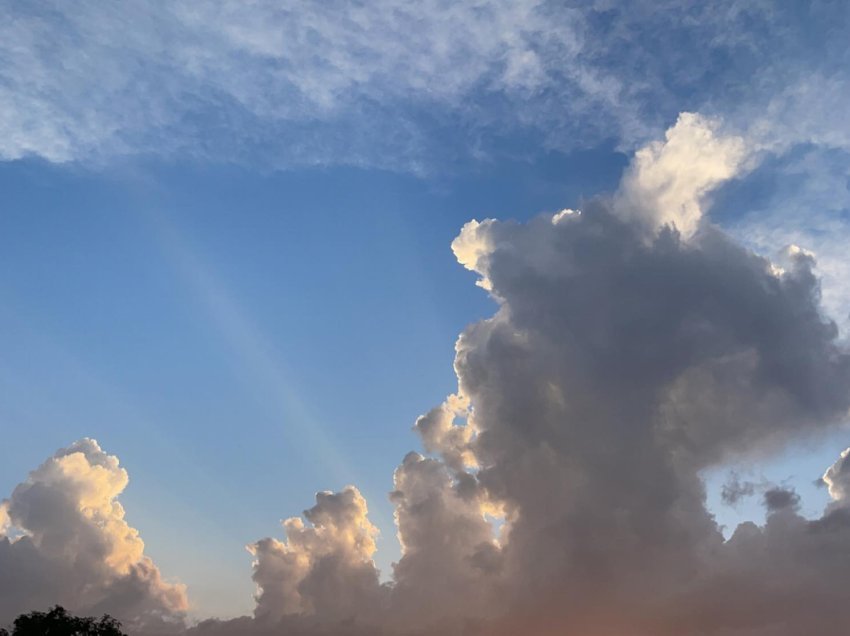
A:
(326, 569)
(780, 499)
(734, 490)
(448, 550)
(634, 346)
(668, 181)
(837, 479)
(277, 84)
(801, 198)
(440, 434)
(64, 540)
(564, 490)
(407, 87)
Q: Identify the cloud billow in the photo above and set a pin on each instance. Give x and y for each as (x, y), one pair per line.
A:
(625, 357)
(64, 540)
(325, 569)
(634, 345)
(276, 85)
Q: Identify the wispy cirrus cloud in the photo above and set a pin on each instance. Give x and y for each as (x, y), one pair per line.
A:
(402, 86)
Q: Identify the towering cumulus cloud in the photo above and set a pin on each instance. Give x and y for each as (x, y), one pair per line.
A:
(64, 539)
(634, 346)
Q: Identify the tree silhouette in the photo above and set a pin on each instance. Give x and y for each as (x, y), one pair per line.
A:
(58, 622)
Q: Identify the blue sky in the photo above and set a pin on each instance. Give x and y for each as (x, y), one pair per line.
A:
(241, 340)
(225, 231)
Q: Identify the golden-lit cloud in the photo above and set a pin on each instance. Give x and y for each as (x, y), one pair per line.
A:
(64, 539)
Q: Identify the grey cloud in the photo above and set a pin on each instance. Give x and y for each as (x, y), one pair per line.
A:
(441, 433)
(610, 375)
(613, 373)
(624, 358)
(325, 568)
(733, 490)
(617, 367)
(448, 551)
(777, 498)
(801, 198)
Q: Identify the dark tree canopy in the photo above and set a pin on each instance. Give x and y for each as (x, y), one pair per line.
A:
(58, 622)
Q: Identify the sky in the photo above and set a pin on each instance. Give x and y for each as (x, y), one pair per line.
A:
(586, 261)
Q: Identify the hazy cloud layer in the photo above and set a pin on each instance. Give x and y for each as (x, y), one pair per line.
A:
(392, 84)
(625, 357)
(64, 539)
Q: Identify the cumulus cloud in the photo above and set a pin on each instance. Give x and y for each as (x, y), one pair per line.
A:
(563, 493)
(441, 433)
(64, 540)
(325, 568)
(609, 377)
(448, 550)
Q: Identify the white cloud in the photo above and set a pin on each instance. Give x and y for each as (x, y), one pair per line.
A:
(73, 546)
(806, 204)
(837, 479)
(153, 78)
(280, 84)
(667, 182)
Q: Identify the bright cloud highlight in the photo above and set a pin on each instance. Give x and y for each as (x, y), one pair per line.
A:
(64, 539)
